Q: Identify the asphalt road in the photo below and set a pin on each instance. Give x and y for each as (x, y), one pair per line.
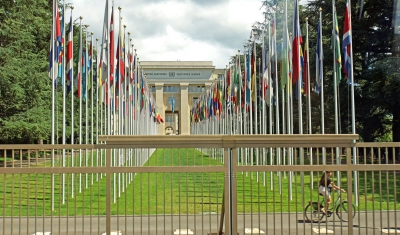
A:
(278, 223)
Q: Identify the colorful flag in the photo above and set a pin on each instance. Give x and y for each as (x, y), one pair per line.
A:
(60, 49)
(111, 48)
(272, 49)
(84, 73)
(285, 74)
(253, 73)
(297, 41)
(346, 47)
(79, 62)
(70, 62)
(55, 41)
(319, 59)
(335, 46)
(305, 69)
(120, 73)
(103, 61)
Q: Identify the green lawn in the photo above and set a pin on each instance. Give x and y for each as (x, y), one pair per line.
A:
(173, 193)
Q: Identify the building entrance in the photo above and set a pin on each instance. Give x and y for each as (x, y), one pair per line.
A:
(172, 123)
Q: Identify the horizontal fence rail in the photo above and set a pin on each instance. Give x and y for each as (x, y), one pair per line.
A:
(214, 184)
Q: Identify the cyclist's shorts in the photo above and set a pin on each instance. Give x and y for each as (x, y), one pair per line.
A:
(324, 192)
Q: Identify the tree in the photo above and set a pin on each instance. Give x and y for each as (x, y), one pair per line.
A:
(376, 97)
(25, 91)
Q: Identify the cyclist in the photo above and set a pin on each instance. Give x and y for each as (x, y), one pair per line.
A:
(325, 186)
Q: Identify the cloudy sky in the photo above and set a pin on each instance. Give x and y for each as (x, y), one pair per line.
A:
(171, 30)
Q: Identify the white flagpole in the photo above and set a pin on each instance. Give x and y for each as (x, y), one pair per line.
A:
(335, 85)
(271, 131)
(98, 87)
(53, 78)
(309, 103)
(353, 107)
(64, 107)
(72, 107)
(86, 105)
(263, 92)
(322, 90)
(80, 99)
(91, 101)
(300, 104)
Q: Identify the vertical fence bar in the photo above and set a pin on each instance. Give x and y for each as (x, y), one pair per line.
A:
(227, 206)
(108, 191)
(350, 191)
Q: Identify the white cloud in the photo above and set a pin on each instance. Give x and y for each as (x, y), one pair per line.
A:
(179, 30)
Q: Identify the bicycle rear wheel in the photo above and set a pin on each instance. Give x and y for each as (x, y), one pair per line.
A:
(313, 212)
(342, 211)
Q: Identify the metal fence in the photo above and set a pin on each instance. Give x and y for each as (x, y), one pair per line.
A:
(264, 184)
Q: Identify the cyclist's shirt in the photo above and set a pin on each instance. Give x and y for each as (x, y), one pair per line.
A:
(328, 184)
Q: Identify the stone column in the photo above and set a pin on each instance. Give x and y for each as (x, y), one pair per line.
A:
(160, 106)
(184, 119)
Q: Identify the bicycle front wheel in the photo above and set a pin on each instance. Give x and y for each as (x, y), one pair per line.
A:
(313, 212)
(342, 211)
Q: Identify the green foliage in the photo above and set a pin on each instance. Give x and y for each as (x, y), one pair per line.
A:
(375, 68)
(24, 84)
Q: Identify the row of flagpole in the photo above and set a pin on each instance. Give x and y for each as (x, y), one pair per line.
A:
(235, 102)
(120, 100)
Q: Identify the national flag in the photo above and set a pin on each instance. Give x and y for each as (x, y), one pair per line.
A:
(305, 69)
(103, 61)
(346, 46)
(120, 73)
(297, 41)
(253, 73)
(70, 62)
(111, 46)
(319, 59)
(84, 73)
(285, 74)
(240, 85)
(60, 49)
(79, 62)
(248, 77)
(55, 41)
(272, 49)
(335, 46)
(89, 65)
(298, 90)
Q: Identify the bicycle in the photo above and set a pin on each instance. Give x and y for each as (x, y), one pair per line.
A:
(313, 211)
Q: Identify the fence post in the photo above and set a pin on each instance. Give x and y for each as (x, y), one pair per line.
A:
(108, 191)
(349, 190)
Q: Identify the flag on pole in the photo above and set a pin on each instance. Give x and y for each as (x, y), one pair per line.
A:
(272, 49)
(319, 58)
(335, 45)
(84, 72)
(297, 41)
(285, 57)
(296, 88)
(60, 48)
(253, 73)
(305, 68)
(69, 56)
(347, 68)
(79, 62)
(55, 41)
(103, 61)
(111, 80)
